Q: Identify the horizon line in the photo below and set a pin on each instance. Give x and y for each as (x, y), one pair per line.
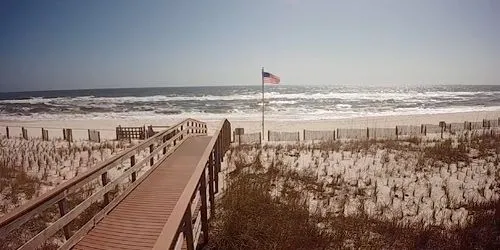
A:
(248, 85)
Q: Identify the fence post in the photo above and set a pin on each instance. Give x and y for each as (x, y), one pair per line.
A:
(268, 135)
(304, 134)
(45, 134)
(7, 132)
(68, 134)
(367, 133)
(25, 133)
(334, 134)
(63, 207)
(397, 133)
(260, 138)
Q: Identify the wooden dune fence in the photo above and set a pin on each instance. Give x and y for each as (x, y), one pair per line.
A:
(382, 133)
(312, 135)
(352, 133)
(246, 139)
(94, 135)
(408, 130)
(283, 136)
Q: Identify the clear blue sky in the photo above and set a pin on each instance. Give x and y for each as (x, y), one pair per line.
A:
(100, 44)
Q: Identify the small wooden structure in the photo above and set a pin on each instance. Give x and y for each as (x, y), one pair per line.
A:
(129, 133)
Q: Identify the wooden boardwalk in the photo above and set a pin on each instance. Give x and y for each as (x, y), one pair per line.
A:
(136, 222)
(165, 206)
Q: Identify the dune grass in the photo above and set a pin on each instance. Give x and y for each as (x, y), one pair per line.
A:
(268, 208)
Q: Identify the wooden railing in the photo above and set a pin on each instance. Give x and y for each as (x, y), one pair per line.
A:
(157, 149)
(189, 219)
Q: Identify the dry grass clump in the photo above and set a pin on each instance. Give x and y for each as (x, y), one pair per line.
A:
(249, 217)
(486, 144)
(16, 184)
(446, 152)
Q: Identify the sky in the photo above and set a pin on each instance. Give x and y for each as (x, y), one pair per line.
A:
(50, 45)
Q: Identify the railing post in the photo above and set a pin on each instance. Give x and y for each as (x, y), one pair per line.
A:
(164, 146)
(217, 164)
(188, 228)
(132, 163)
(63, 209)
(204, 206)
(151, 149)
(211, 183)
(104, 179)
(7, 132)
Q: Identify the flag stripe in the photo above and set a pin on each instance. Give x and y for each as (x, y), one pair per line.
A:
(270, 78)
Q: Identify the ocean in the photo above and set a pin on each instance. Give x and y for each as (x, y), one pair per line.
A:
(283, 102)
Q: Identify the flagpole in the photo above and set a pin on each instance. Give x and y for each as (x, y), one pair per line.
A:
(262, 78)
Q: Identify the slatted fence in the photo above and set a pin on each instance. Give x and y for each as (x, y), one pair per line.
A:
(94, 135)
(248, 139)
(382, 133)
(283, 136)
(313, 135)
(408, 130)
(352, 133)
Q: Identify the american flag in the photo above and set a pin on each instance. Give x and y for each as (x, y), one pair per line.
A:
(270, 78)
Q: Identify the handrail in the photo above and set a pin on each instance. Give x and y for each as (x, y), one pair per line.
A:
(163, 139)
(180, 218)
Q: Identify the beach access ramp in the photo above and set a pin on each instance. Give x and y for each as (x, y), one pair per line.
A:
(166, 199)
